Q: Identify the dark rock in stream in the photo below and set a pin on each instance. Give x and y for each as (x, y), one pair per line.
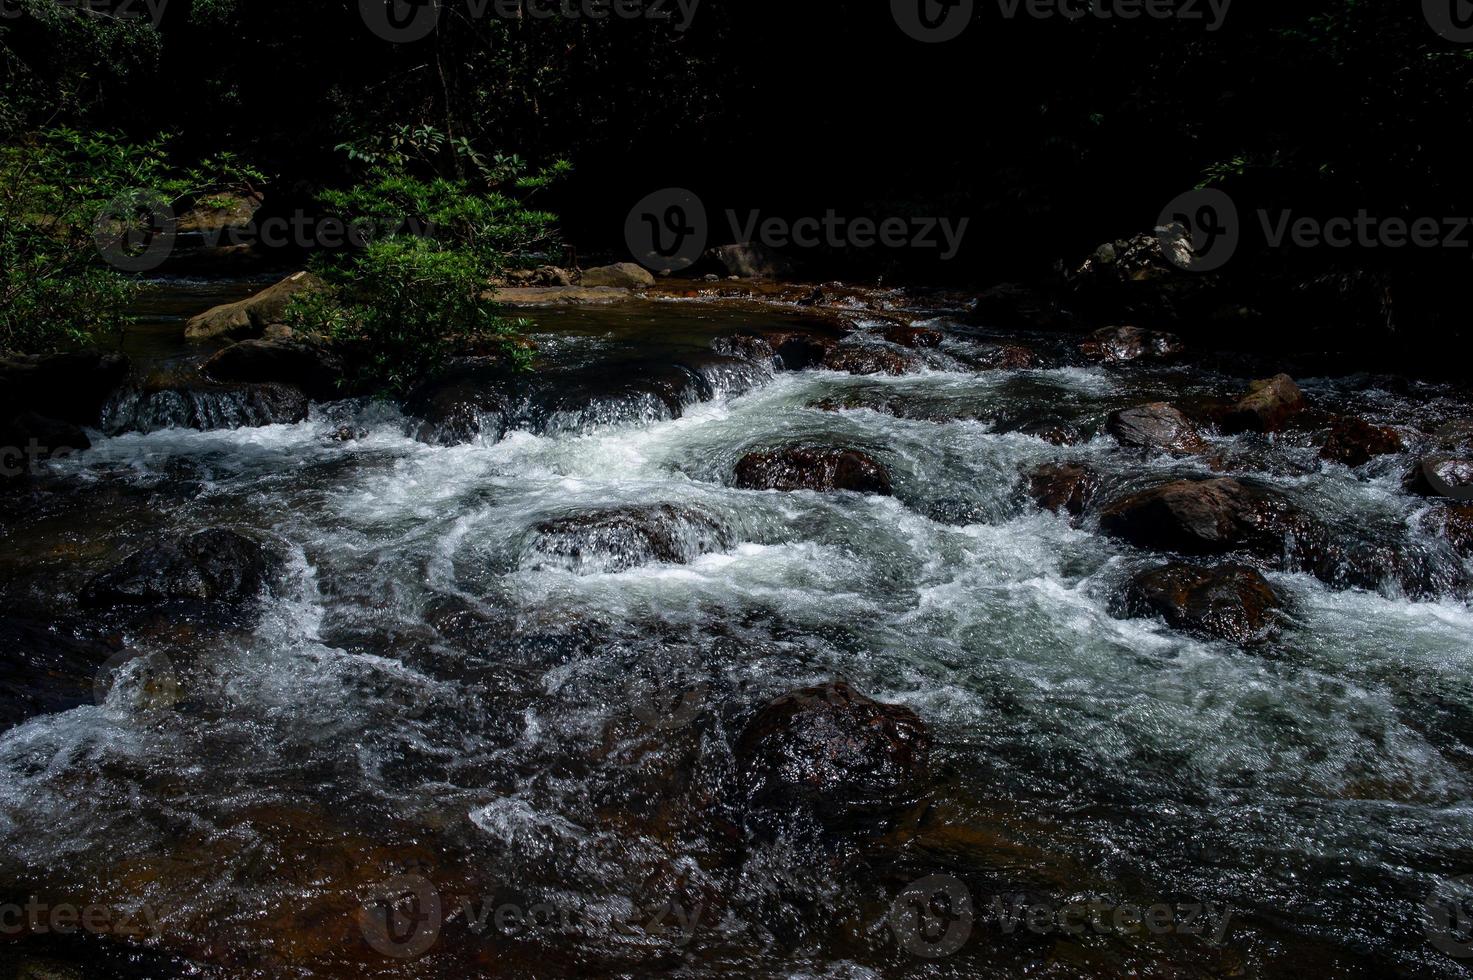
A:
(914, 337)
(861, 359)
(71, 387)
(1356, 442)
(805, 468)
(832, 752)
(1006, 357)
(1063, 487)
(1229, 602)
(1157, 426)
(205, 407)
(45, 669)
(1450, 477)
(314, 369)
(214, 566)
(1120, 345)
(620, 538)
(800, 351)
(1201, 517)
(1454, 523)
(1267, 406)
(747, 346)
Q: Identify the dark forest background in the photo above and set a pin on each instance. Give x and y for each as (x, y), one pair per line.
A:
(1051, 135)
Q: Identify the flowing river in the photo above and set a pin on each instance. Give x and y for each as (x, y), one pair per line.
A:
(540, 738)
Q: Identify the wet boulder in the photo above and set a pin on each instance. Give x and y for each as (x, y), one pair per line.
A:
(619, 538)
(313, 368)
(1156, 426)
(1356, 442)
(250, 317)
(71, 387)
(1455, 438)
(861, 359)
(1006, 357)
(806, 468)
(800, 351)
(1450, 477)
(1267, 407)
(1063, 487)
(915, 337)
(747, 346)
(622, 275)
(1455, 524)
(1228, 602)
(832, 751)
(1121, 345)
(1201, 517)
(213, 566)
(467, 401)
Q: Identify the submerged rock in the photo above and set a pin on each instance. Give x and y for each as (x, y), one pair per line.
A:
(216, 566)
(1063, 487)
(1120, 345)
(1356, 442)
(1200, 517)
(251, 316)
(1441, 476)
(620, 538)
(1007, 357)
(862, 359)
(1229, 602)
(748, 346)
(1455, 523)
(916, 337)
(314, 369)
(1267, 406)
(830, 750)
(804, 468)
(1157, 426)
(801, 351)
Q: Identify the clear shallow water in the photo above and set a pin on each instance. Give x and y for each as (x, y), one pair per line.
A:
(423, 696)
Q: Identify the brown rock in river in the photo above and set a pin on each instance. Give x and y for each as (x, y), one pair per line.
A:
(831, 748)
(1118, 345)
(1200, 517)
(1063, 486)
(1230, 602)
(1267, 406)
(804, 468)
(861, 359)
(1157, 426)
(1450, 477)
(1355, 442)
